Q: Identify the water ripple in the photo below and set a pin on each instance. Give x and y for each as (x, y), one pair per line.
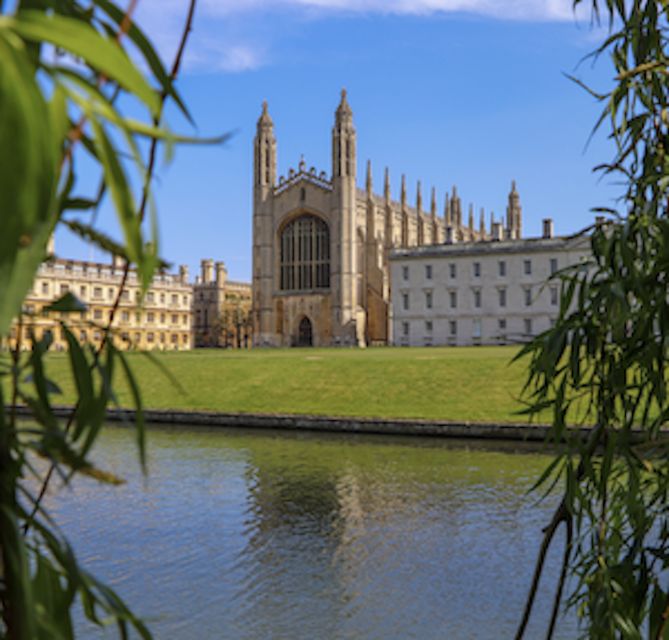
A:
(243, 535)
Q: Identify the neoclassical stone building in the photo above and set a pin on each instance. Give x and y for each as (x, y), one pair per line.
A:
(174, 314)
(480, 293)
(163, 320)
(321, 244)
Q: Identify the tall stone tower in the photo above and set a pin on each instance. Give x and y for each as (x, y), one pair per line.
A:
(348, 316)
(264, 180)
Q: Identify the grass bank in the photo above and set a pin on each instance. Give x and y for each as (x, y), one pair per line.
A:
(474, 384)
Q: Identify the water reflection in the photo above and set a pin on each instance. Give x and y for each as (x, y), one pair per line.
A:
(264, 535)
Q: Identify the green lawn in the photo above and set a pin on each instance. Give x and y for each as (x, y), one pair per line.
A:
(477, 384)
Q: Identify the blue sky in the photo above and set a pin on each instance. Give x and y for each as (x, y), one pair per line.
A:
(465, 92)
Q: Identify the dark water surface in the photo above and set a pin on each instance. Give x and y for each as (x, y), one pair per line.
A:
(255, 535)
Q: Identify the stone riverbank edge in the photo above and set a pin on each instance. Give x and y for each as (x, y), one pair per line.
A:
(335, 424)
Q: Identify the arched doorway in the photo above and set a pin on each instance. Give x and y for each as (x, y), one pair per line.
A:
(305, 333)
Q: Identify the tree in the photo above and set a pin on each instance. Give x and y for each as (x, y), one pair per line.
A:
(603, 363)
(63, 66)
(232, 326)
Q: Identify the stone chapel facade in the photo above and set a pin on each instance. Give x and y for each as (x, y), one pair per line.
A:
(321, 244)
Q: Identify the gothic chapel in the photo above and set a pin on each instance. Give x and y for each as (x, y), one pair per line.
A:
(321, 244)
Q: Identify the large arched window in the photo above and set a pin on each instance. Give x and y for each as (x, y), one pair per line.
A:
(305, 254)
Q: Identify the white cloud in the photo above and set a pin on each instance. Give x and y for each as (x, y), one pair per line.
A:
(223, 40)
(210, 46)
(501, 9)
(231, 58)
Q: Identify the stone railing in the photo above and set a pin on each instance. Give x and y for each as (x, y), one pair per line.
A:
(320, 180)
(76, 270)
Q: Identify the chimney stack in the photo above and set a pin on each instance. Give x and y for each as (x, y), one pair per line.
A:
(548, 227)
(117, 262)
(207, 271)
(221, 274)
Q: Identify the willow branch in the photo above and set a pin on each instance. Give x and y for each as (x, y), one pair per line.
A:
(560, 515)
(664, 620)
(163, 96)
(126, 23)
(74, 136)
(188, 27)
(16, 355)
(569, 534)
(75, 133)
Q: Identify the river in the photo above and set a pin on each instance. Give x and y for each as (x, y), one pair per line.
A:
(254, 535)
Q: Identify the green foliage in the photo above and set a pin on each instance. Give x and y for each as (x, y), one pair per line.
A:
(609, 349)
(63, 65)
(28, 173)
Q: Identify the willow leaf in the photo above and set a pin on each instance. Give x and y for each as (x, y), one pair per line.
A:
(27, 176)
(120, 191)
(85, 42)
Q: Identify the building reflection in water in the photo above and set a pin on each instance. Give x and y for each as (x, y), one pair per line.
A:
(373, 538)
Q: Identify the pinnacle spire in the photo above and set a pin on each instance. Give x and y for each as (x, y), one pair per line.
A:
(369, 177)
(264, 152)
(343, 141)
(433, 203)
(344, 108)
(403, 191)
(514, 223)
(447, 211)
(265, 120)
(386, 185)
(419, 198)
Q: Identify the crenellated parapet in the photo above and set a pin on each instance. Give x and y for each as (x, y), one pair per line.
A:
(311, 175)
